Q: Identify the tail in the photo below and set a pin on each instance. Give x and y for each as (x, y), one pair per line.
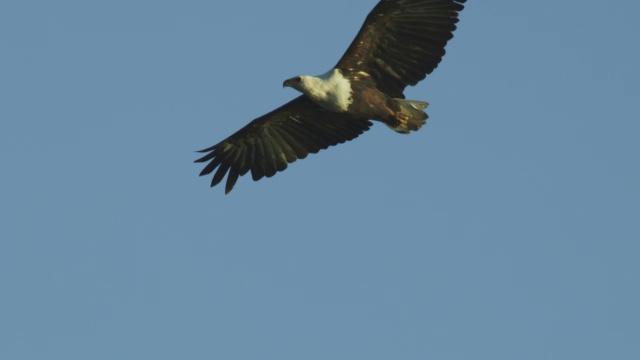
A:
(409, 115)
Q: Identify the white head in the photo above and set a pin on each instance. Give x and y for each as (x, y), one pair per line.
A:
(331, 90)
(297, 82)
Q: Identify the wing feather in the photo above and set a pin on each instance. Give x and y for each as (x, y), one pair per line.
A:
(300, 151)
(231, 179)
(289, 154)
(269, 143)
(257, 171)
(279, 151)
(219, 175)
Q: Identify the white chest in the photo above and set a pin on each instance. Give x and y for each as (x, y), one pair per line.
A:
(331, 90)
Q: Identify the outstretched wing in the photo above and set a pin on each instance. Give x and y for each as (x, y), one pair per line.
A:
(402, 41)
(267, 144)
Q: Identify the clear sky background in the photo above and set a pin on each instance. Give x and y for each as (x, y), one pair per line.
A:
(507, 228)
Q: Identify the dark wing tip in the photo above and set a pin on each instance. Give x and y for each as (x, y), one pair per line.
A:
(231, 180)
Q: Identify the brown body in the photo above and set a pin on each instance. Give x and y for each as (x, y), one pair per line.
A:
(370, 102)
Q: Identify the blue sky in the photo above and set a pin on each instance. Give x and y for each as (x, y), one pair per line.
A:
(507, 228)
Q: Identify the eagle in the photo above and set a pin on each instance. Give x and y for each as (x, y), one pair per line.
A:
(400, 42)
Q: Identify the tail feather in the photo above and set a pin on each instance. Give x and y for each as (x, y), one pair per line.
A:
(409, 115)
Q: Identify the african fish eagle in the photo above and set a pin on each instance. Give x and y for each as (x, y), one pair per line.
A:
(400, 42)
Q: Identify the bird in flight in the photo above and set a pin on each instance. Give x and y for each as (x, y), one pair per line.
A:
(400, 42)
